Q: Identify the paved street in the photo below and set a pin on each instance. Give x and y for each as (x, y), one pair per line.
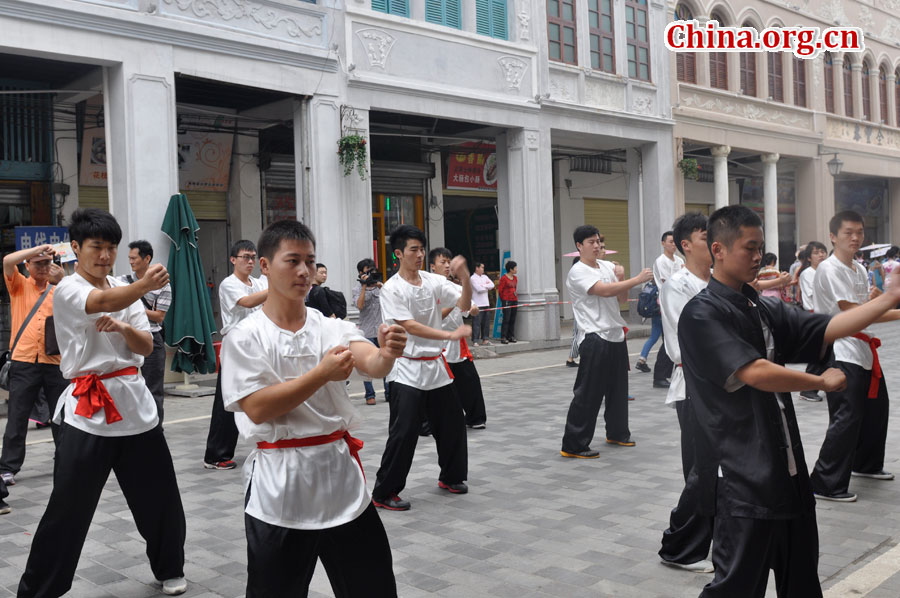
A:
(533, 525)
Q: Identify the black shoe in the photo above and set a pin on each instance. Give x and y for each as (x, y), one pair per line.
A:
(661, 384)
(503, 341)
(425, 430)
(588, 454)
(642, 366)
(457, 488)
(512, 339)
(839, 497)
(571, 364)
(480, 426)
(392, 503)
(811, 395)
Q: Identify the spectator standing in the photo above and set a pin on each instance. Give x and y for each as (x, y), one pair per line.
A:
(481, 326)
(509, 299)
(31, 370)
(573, 351)
(317, 298)
(156, 304)
(814, 254)
(367, 296)
(667, 264)
(891, 262)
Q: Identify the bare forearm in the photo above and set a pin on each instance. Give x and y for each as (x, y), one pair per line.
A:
(274, 401)
(138, 341)
(465, 299)
(423, 331)
(853, 320)
(370, 361)
(771, 377)
(10, 260)
(615, 289)
(361, 300)
(114, 298)
(763, 285)
(253, 299)
(155, 315)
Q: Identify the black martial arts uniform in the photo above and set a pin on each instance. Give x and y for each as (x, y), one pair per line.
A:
(748, 441)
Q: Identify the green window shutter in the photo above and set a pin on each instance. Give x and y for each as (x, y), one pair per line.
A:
(434, 11)
(399, 7)
(453, 13)
(498, 19)
(482, 17)
(380, 5)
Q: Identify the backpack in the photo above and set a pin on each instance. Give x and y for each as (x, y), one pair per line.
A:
(337, 302)
(648, 301)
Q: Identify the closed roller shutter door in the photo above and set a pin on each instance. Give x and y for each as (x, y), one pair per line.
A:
(703, 208)
(207, 205)
(610, 216)
(93, 197)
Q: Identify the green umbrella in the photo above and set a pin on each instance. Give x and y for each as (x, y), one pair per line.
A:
(189, 323)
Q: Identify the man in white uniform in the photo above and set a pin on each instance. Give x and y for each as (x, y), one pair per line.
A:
(667, 264)
(686, 543)
(597, 287)
(854, 443)
(284, 371)
(108, 417)
(239, 296)
(421, 379)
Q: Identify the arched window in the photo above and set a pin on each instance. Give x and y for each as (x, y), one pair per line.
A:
(848, 87)
(686, 62)
(748, 70)
(829, 82)
(799, 81)
(718, 62)
(866, 96)
(776, 76)
(883, 95)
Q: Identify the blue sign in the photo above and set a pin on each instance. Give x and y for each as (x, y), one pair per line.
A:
(34, 236)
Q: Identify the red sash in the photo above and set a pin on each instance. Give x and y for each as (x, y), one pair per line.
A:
(464, 352)
(874, 343)
(354, 444)
(93, 395)
(434, 358)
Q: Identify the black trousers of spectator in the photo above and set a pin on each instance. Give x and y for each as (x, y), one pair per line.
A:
(602, 373)
(356, 557)
(408, 405)
(857, 431)
(143, 467)
(662, 369)
(745, 549)
(689, 535)
(3, 491)
(468, 389)
(481, 325)
(508, 326)
(154, 371)
(26, 380)
(223, 433)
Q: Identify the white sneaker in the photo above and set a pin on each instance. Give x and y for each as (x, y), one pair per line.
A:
(8, 478)
(704, 566)
(174, 586)
(878, 475)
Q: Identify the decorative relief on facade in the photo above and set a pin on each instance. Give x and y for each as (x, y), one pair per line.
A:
(866, 20)
(892, 6)
(831, 10)
(746, 110)
(250, 15)
(891, 29)
(524, 20)
(604, 94)
(513, 70)
(642, 104)
(866, 133)
(562, 88)
(377, 44)
(531, 139)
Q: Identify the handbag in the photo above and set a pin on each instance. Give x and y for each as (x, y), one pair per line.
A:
(51, 345)
(6, 357)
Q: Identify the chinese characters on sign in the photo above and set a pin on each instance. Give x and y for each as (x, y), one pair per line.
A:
(473, 166)
(32, 236)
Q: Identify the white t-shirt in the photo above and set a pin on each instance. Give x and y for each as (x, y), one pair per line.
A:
(592, 312)
(230, 291)
(313, 487)
(834, 281)
(401, 300)
(664, 268)
(84, 351)
(673, 296)
(807, 288)
(481, 284)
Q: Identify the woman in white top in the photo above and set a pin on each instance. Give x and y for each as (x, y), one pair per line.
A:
(814, 254)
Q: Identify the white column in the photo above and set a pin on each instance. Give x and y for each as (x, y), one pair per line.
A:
(770, 201)
(244, 192)
(720, 172)
(837, 70)
(891, 117)
(857, 91)
(142, 159)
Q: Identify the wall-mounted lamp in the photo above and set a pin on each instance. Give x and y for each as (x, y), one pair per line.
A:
(835, 165)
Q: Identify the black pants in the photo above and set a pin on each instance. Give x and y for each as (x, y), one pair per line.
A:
(689, 535)
(508, 326)
(481, 325)
(857, 431)
(602, 373)
(468, 389)
(408, 405)
(144, 470)
(662, 369)
(356, 557)
(223, 433)
(26, 380)
(154, 371)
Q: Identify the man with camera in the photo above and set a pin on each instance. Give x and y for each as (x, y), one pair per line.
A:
(31, 368)
(367, 296)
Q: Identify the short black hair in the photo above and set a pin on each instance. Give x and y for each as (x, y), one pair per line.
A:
(725, 224)
(769, 259)
(576, 259)
(93, 223)
(243, 245)
(585, 231)
(365, 263)
(477, 264)
(280, 230)
(893, 252)
(403, 233)
(320, 265)
(841, 217)
(665, 235)
(144, 248)
(510, 265)
(437, 252)
(686, 225)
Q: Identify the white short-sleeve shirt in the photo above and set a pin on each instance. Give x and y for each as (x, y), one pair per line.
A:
(807, 288)
(423, 303)
(230, 291)
(835, 281)
(85, 351)
(673, 296)
(592, 312)
(664, 268)
(314, 487)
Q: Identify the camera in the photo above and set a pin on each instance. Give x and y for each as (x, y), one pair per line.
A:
(370, 278)
(57, 260)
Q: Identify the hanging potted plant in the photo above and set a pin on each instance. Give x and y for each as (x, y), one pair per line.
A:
(352, 154)
(689, 168)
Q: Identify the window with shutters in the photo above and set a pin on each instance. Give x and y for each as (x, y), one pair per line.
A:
(848, 87)
(600, 24)
(748, 73)
(718, 62)
(685, 62)
(444, 12)
(799, 81)
(866, 95)
(829, 82)
(776, 76)
(883, 95)
(897, 97)
(561, 31)
(491, 18)
(637, 39)
(392, 7)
